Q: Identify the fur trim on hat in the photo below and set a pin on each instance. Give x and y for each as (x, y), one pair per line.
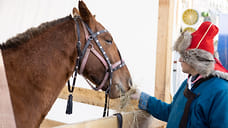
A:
(220, 74)
(201, 60)
(183, 42)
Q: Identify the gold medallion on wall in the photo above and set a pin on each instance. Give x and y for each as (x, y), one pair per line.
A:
(190, 16)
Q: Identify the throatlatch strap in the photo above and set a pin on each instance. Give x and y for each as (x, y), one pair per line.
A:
(71, 88)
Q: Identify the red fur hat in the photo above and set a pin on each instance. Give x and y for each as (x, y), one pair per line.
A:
(197, 49)
(203, 37)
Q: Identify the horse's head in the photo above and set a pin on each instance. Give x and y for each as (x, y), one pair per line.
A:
(104, 65)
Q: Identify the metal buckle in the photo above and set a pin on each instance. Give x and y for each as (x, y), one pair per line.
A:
(90, 37)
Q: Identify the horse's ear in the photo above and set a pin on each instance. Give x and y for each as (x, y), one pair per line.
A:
(75, 12)
(85, 13)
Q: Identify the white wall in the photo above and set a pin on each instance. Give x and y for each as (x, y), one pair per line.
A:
(132, 23)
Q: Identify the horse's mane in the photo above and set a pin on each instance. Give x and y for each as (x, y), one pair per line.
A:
(30, 33)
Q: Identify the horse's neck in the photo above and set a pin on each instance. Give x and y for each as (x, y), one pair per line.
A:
(38, 70)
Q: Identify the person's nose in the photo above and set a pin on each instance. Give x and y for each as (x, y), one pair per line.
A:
(181, 59)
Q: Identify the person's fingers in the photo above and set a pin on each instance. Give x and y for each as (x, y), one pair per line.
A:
(136, 95)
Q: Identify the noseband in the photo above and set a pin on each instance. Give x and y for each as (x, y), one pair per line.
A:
(109, 68)
(82, 59)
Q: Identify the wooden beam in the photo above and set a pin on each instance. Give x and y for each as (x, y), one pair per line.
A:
(136, 119)
(7, 119)
(97, 98)
(164, 50)
(47, 123)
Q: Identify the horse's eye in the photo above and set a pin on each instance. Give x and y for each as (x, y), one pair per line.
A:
(108, 41)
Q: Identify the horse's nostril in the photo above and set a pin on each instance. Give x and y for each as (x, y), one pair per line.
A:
(130, 82)
(120, 88)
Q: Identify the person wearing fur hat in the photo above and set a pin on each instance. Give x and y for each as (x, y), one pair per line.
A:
(202, 99)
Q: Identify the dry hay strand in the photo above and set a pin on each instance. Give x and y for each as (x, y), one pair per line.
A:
(126, 105)
(125, 100)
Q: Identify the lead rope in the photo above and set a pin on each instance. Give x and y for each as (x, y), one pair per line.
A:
(107, 99)
(71, 89)
(105, 105)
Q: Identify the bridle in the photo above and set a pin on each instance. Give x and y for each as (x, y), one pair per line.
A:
(82, 59)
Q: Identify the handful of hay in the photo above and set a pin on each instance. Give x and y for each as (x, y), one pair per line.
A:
(125, 100)
(140, 117)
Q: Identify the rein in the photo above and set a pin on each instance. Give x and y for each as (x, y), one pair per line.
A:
(82, 59)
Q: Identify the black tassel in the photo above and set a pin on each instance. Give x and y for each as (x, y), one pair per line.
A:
(69, 104)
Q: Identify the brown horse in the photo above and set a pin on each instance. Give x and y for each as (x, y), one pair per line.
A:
(39, 62)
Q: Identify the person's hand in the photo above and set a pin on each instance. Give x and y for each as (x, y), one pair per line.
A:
(136, 95)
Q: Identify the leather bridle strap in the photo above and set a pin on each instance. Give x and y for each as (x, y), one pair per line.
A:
(115, 66)
(83, 57)
(106, 63)
(104, 60)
